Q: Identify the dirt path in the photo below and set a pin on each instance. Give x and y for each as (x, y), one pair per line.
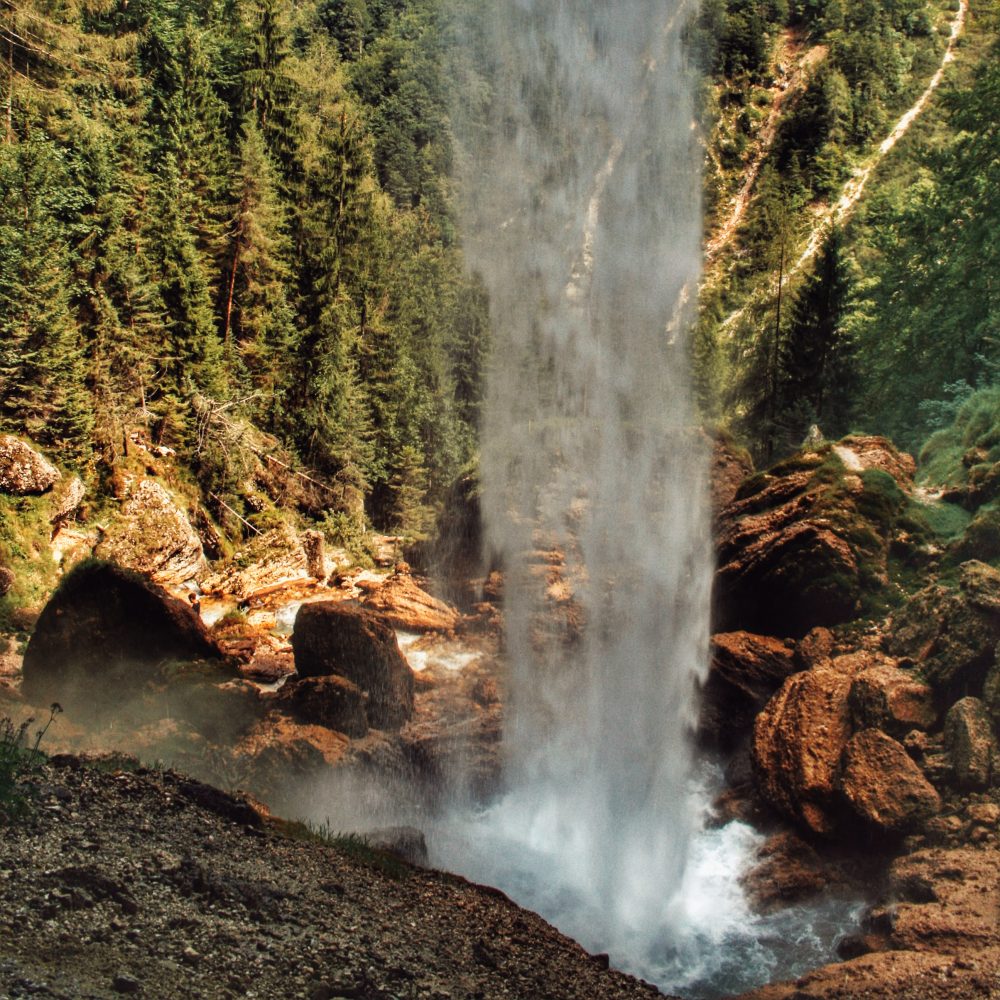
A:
(787, 88)
(843, 207)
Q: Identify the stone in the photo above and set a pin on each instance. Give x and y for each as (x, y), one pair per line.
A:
(797, 743)
(745, 670)
(153, 536)
(951, 635)
(883, 785)
(401, 603)
(23, 471)
(66, 500)
(329, 701)
(313, 544)
(406, 842)
(887, 698)
(730, 466)
(329, 638)
(874, 452)
(264, 563)
(970, 744)
(815, 647)
(105, 632)
(7, 580)
(785, 869)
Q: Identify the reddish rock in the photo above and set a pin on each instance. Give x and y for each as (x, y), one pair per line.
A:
(105, 632)
(400, 602)
(745, 671)
(730, 466)
(785, 870)
(873, 452)
(330, 638)
(815, 648)
(797, 743)
(329, 701)
(970, 744)
(887, 698)
(883, 785)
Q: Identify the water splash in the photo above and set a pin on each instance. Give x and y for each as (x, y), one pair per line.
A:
(581, 190)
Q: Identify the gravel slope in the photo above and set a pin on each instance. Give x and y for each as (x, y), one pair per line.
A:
(148, 884)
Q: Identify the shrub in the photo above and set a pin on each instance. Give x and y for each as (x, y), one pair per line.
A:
(20, 761)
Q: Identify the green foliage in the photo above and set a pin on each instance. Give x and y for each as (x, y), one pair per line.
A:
(20, 762)
(973, 439)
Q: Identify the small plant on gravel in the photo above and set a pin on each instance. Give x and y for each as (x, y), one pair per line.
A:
(20, 761)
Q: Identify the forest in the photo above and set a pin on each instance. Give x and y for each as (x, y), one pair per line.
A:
(228, 229)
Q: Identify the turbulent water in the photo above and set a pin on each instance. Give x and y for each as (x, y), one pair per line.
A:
(581, 192)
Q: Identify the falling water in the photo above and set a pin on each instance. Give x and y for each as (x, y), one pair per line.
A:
(581, 188)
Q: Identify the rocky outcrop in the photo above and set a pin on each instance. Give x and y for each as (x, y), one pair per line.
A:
(330, 638)
(401, 603)
(266, 562)
(802, 544)
(23, 471)
(890, 699)
(866, 452)
(333, 702)
(745, 670)
(152, 535)
(951, 635)
(883, 785)
(797, 743)
(66, 500)
(105, 632)
(970, 744)
(730, 466)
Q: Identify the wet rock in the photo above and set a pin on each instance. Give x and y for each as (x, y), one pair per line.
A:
(313, 545)
(874, 452)
(406, 842)
(329, 701)
(951, 635)
(23, 471)
(730, 466)
(330, 638)
(745, 671)
(105, 632)
(401, 603)
(969, 741)
(266, 562)
(797, 743)
(785, 869)
(883, 785)
(153, 536)
(887, 698)
(815, 648)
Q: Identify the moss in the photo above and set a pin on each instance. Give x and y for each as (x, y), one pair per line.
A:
(752, 486)
(881, 499)
(981, 539)
(25, 535)
(976, 426)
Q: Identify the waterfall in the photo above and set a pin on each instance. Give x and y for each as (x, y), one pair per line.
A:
(580, 186)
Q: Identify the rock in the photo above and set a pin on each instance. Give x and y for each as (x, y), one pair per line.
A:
(7, 580)
(803, 543)
(313, 545)
(23, 471)
(815, 647)
(330, 638)
(265, 562)
(329, 701)
(66, 500)
(887, 698)
(883, 785)
(797, 743)
(969, 741)
(873, 452)
(152, 535)
(785, 870)
(730, 466)
(402, 604)
(105, 632)
(951, 635)
(745, 671)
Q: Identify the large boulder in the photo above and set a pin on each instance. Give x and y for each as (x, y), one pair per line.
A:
(330, 638)
(970, 744)
(883, 785)
(805, 543)
(797, 743)
(745, 671)
(401, 603)
(266, 563)
(951, 635)
(153, 536)
(22, 470)
(106, 632)
(893, 700)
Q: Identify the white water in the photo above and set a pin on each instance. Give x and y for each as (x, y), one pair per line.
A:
(581, 193)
